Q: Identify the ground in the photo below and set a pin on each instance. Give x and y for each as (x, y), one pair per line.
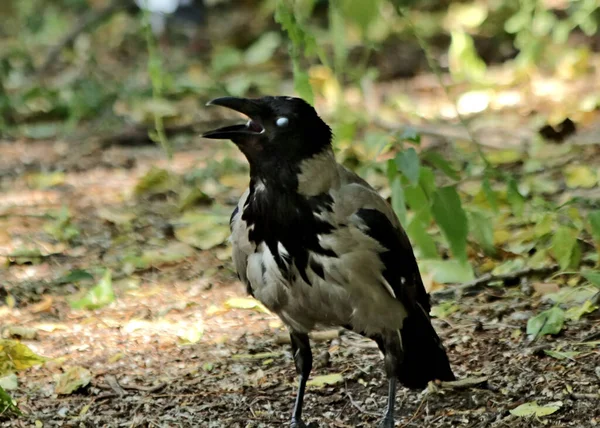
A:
(238, 371)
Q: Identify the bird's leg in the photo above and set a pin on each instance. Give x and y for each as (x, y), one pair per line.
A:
(392, 350)
(303, 360)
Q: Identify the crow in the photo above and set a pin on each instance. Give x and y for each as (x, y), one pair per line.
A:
(318, 246)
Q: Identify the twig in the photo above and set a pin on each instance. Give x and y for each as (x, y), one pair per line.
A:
(416, 412)
(484, 280)
(316, 336)
(89, 20)
(358, 406)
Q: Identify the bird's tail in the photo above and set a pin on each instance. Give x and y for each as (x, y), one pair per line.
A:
(424, 356)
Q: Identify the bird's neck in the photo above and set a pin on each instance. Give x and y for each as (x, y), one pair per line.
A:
(309, 177)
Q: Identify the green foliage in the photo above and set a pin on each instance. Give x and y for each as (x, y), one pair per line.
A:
(98, 296)
(547, 322)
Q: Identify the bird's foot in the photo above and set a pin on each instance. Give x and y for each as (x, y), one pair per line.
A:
(387, 422)
(298, 423)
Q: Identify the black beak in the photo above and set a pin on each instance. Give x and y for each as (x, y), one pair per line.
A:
(249, 107)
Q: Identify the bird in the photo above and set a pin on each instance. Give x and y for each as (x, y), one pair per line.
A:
(319, 247)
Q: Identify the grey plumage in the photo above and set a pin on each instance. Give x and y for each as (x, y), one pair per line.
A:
(318, 246)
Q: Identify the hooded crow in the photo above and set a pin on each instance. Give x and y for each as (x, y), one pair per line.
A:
(319, 247)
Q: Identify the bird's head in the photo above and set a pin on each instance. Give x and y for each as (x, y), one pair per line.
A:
(279, 130)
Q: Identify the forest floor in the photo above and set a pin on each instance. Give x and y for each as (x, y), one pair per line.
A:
(235, 370)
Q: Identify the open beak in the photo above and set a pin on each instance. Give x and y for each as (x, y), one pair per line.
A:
(249, 107)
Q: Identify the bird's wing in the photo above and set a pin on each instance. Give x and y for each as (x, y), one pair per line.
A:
(239, 239)
(358, 204)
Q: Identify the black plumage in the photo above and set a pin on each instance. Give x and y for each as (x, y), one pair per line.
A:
(319, 247)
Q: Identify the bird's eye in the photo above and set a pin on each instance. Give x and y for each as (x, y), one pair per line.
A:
(282, 121)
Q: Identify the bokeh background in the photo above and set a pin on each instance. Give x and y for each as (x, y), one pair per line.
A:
(478, 120)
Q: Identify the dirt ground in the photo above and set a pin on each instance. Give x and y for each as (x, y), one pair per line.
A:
(240, 373)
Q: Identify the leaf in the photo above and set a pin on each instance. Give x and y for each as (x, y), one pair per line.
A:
(547, 322)
(442, 164)
(533, 409)
(73, 379)
(75, 276)
(7, 404)
(361, 12)
(482, 229)
(155, 182)
(9, 382)
(594, 220)
(45, 180)
(422, 239)
(489, 193)
(246, 303)
(514, 197)
(15, 356)
(563, 245)
(324, 380)
(580, 176)
(302, 85)
(562, 355)
(576, 312)
(448, 271)
(191, 335)
(592, 276)
(407, 162)
(398, 202)
(203, 229)
(263, 49)
(410, 134)
(450, 216)
(444, 309)
(97, 297)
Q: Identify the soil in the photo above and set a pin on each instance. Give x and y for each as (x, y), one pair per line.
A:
(240, 373)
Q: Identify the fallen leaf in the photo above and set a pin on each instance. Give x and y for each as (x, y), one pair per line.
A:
(246, 303)
(324, 380)
(543, 288)
(533, 409)
(100, 295)
(580, 176)
(562, 355)
(9, 382)
(15, 356)
(73, 379)
(547, 322)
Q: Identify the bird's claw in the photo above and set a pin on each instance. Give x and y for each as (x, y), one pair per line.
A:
(387, 423)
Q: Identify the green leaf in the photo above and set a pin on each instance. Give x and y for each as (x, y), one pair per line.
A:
(75, 276)
(263, 49)
(450, 216)
(563, 247)
(448, 271)
(410, 134)
(97, 297)
(576, 312)
(592, 276)
(514, 197)
(594, 220)
(463, 59)
(489, 193)
(398, 201)
(7, 404)
(547, 322)
(422, 239)
(407, 162)
(442, 164)
(361, 12)
(444, 309)
(302, 85)
(15, 356)
(482, 228)
(580, 176)
(533, 409)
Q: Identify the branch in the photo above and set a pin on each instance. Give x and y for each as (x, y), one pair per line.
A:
(480, 283)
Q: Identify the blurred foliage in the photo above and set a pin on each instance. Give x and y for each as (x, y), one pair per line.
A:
(469, 208)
